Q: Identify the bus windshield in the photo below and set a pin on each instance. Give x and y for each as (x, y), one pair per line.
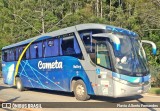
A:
(131, 58)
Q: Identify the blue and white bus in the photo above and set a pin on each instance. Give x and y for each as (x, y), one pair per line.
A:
(88, 59)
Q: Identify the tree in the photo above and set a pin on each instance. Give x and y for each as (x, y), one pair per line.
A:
(141, 16)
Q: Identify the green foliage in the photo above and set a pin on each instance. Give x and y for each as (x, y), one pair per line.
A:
(154, 91)
(142, 16)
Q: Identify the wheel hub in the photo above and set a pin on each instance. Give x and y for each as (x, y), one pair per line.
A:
(80, 90)
(18, 85)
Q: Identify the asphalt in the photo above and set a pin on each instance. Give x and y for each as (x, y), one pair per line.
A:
(62, 99)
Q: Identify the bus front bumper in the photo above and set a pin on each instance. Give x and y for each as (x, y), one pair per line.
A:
(124, 90)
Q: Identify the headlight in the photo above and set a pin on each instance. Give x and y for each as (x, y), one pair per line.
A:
(131, 84)
(121, 81)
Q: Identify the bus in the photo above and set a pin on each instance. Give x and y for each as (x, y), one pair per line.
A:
(86, 59)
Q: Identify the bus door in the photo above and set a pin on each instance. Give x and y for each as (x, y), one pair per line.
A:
(103, 69)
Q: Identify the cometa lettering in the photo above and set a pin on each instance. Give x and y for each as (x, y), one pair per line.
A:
(50, 65)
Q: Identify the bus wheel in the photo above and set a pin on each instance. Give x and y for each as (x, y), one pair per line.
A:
(80, 91)
(19, 84)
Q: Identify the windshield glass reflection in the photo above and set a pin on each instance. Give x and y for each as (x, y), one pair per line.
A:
(130, 59)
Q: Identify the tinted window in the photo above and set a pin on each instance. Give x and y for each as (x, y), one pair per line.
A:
(102, 53)
(51, 47)
(8, 55)
(17, 53)
(39, 49)
(20, 49)
(28, 53)
(36, 50)
(4, 56)
(69, 45)
(14, 54)
(96, 47)
(11, 55)
(88, 40)
(24, 55)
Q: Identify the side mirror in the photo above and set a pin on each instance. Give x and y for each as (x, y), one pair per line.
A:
(154, 48)
(111, 36)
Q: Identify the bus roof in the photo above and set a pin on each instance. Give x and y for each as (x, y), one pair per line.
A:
(70, 30)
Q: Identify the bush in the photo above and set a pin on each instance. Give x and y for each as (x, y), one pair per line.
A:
(0, 69)
(154, 91)
(155, 74)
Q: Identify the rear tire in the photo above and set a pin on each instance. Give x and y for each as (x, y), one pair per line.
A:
(80, 91)
(19, 84)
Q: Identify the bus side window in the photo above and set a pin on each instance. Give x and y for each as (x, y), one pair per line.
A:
(34, 51)
(51, 47)
(14, 51)
(102, 54)
(24, 56)
(17, 53)
(70, 46)
(20, 49)
(8, 55)
(28, 54)
(87, 40)
(43, 49)
(11, 55)
(39, 44)
(76, 46)
(5, 55)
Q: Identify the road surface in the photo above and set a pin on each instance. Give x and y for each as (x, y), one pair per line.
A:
(11, 94)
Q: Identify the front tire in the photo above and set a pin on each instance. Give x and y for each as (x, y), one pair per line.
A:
(80, 91)
(19, 84)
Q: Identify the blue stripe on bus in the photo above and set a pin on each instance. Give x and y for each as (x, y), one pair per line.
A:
(132, 79)
(121, 30)
(57, 79)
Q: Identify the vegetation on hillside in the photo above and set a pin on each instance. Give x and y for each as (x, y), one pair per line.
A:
(23, 19)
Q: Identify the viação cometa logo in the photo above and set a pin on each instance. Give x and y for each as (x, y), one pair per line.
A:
(50, 65)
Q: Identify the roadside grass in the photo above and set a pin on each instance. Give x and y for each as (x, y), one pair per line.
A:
(154, 90)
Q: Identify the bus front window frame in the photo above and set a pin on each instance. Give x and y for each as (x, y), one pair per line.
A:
(91, 48)
(107, 56)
